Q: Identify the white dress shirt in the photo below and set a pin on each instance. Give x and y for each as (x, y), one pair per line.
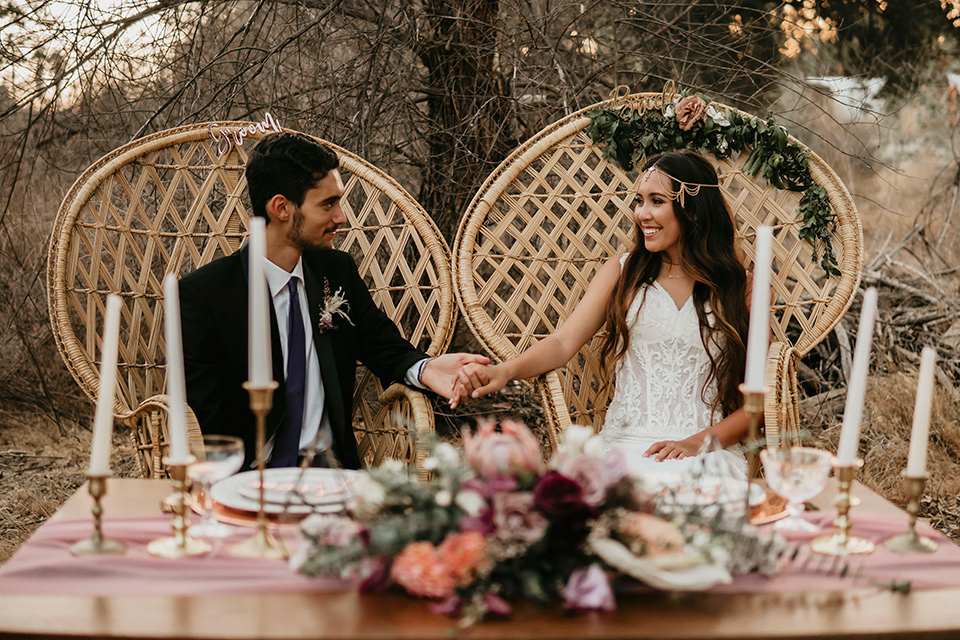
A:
(314, 418)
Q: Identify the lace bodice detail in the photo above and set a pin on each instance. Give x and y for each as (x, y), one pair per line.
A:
(660, 378)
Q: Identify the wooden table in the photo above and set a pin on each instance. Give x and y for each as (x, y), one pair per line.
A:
(348, 615)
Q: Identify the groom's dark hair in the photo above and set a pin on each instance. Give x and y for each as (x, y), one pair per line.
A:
(289, 164)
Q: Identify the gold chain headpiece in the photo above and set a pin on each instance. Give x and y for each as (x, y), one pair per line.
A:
(686, 188)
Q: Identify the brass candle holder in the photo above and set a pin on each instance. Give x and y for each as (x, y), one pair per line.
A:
(96, 544)
(841, 543)
(753, 406)
(179, 544)
(262, 544)
(910, 541)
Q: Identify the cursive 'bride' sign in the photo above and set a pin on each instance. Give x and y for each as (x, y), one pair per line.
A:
(226, 137)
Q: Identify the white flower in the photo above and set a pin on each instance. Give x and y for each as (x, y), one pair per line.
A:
(717, 116)
(723, 146)
(445, 456)
(367, 492)
(574, 439)
(720, 556)
(333, 305)
(394, 466)
(443, 498)
(669, 112)
(471, 502)
(301, 554)
(593, 447)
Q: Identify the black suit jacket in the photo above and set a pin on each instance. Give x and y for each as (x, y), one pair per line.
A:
(213, 311)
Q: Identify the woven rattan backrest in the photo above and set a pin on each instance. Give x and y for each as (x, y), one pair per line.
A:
(170, 203)
(554, 211)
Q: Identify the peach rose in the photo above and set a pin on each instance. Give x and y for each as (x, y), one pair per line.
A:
(655, 535)
(418, 569)
(464, 555)
(690, 111)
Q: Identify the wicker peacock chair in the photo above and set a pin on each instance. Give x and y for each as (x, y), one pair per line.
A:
(555, 210)
(174, 201)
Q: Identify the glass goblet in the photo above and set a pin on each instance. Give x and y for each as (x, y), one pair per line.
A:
(223, 457)
(797, 474)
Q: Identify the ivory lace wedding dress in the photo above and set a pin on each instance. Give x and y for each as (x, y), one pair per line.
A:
(659, 386)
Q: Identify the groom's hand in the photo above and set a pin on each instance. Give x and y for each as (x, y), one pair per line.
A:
(440, 374)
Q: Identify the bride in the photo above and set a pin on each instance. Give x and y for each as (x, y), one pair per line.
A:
(676, 315)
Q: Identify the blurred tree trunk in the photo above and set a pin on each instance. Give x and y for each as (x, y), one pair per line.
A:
(469, 109)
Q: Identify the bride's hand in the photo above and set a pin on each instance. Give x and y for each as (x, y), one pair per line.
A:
(475, 380)
(672, 449)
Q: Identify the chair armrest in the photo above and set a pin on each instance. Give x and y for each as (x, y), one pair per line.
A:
(781, 417)
(421, 411)
(556, 412)
(148, 423)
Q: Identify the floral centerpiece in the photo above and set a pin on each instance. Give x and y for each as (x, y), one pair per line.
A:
(496, 523)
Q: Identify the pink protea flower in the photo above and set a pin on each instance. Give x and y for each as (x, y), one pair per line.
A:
(418, 569)
(512, 450)
(464, 555)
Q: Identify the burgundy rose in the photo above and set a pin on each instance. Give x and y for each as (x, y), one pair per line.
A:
(375, 577)
(558, 495)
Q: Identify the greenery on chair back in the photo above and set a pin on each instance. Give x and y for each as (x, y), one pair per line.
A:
(695, 122)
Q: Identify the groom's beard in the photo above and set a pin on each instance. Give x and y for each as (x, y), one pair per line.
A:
(295, 234)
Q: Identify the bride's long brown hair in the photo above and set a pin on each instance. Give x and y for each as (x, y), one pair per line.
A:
(708, 254)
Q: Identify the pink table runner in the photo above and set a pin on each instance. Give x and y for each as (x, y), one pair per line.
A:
(44, 564)
(814, 572)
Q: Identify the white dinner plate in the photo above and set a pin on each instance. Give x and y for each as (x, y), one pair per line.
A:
(321, 490)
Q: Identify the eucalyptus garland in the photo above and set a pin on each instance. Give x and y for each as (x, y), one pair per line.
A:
(631, 135)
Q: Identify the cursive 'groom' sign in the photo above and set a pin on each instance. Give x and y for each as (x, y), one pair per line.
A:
(227, 137)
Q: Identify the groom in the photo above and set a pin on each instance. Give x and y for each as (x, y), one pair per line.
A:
(294, 183)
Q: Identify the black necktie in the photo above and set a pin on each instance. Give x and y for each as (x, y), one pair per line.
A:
(287, 446)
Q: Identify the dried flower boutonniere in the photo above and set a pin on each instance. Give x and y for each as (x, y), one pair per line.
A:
(333, 305)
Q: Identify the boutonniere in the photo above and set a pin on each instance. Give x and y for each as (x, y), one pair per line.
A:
(333, 305)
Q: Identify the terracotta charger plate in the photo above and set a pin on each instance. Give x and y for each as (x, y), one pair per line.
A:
(773, 508)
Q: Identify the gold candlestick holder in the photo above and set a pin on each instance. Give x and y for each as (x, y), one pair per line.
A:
(841, 543)
(262, 544)
(96, 544)
(753, 406)
(179, 544)
(910, 541)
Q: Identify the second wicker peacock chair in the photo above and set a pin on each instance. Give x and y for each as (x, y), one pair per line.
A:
(555, 210)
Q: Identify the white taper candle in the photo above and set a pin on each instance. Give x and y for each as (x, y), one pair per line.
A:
(857, 387)
(758, 340)
(259, 367)
(179, 451)
(917, 460)
(103, 419)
